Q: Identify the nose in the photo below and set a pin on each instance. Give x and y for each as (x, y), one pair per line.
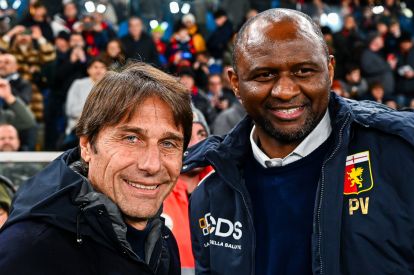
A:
(149, 159)
(285, 88)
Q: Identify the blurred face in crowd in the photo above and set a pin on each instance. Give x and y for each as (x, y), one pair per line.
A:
(23, 39)
(97, 70)
(382, 28)
(39, 13)
(214, 84)
(8, 64)
(405, 46)
(377, 93)
(137, 162)
(113, 48)
(198, 134)
(377, 43)
(76, 40)
(135, 27)
(349, 23)
(70, 11)
(187, 81)
(283, 76)
(61, 44)
(9, 139)
(354, 76)
(220, 20)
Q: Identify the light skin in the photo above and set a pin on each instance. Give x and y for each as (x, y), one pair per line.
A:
(135, 28)
(137, 162)
(283, 79)
(96, 71)
(8, 64)
(9, 139)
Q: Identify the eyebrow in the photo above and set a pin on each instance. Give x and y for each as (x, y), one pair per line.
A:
(140, 131)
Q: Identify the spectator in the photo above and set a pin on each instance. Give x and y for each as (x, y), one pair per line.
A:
(217, 42)
(9, 71)
(374, 67)
(157, 37)
(198, 96)
(77, 94)
(198, 41)
(221, 99)
(114, 55)
(70, 15)
(138, 45)
(38, 17)
(392, 38)
(16, 113)
(376, 93)
(33, 53)
(96, 33)
(354, 84)
(9, 138)
(405, 67)
(226, 120)
(69, 65)
(180, 51)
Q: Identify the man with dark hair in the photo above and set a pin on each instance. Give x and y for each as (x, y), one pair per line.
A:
(308, 182)
(96, 209)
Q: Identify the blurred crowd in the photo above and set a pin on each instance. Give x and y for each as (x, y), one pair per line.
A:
(50, 62)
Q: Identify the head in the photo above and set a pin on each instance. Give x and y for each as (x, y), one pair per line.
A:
(135, 27)
(220, 17)
(70, 11)
(133, 130)
(9, 138)
(405, 42)
(76, 40)
(96, 69)
(187, 78)
(375, 41)
(39, 12)
(188, 20)
(114, 48)
(8, 64)
(282, 72)
(200, 129)
(377, 91)
(23, 39)
(62, 41)
(353, 73)
(215, 84)
(349, 23)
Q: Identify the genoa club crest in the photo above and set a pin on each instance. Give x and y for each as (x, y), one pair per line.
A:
(358, 175)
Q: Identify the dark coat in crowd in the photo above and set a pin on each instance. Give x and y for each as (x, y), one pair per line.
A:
(405, 85)
(217, 42)
(143, 49)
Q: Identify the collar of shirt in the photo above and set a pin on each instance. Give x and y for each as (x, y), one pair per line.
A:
(318, 136)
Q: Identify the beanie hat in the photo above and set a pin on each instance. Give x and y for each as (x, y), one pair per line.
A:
(199, 118)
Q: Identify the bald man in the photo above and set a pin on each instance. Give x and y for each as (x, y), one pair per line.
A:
(308, 182)
(9, 138)
(9, 71)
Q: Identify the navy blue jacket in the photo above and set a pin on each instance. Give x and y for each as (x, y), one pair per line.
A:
(364, 206)
(60, 225)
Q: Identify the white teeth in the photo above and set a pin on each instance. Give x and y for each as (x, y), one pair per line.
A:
(289, 111)
(140, 186)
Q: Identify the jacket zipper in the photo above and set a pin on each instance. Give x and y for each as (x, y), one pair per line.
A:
(250, 219)
(318, 216)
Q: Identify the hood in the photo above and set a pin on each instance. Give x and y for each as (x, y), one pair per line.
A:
(61, 196)
(231, 148)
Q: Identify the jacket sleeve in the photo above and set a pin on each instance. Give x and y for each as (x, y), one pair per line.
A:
(19, 115)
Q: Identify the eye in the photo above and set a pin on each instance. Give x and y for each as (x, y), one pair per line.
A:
(168, 144)
(264, 76)
(304, 72)
(131, 139)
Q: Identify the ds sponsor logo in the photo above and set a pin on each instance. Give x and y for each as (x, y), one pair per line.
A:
(220, 227)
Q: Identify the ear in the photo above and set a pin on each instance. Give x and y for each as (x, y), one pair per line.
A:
(331, 67)
(234, 81)
(86, 149)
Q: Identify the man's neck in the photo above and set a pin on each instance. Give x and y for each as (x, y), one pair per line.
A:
(272, 147)
(136, 223)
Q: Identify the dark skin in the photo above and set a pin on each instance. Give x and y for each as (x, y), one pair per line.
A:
(283, 79)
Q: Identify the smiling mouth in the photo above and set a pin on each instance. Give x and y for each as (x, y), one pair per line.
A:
(141, 186)
(288, 113)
